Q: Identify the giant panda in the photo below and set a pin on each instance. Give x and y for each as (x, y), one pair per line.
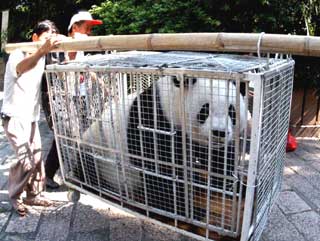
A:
(199, 112)
(205, 110)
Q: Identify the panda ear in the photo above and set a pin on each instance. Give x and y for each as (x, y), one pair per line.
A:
(187, 81)
(243, 89)
(232, 114)
(175, 81)
(190, 81)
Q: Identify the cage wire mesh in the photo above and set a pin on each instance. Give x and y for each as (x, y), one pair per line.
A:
(169, 135)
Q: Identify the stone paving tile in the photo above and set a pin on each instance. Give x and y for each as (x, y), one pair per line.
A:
(55, 223)
(287, 172)
(23, 224)
(289, 202)
(308, 223)
(3, 179)
(5, 205)
(5, 148)
(285, 186)
(89, 219)
(307, 153)
(126, 229)
(311, 146)
(96, 235)
(4, 216)
(156, 232)
(302, 186)
(17, 237)
(116, 213)
(278, 228)
(316, 164)
(306, 170)
(8, 156)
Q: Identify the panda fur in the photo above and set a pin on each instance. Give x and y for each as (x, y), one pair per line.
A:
(110, 131)
(205, 104)
(204, 114)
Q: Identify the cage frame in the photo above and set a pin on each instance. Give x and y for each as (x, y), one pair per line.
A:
(257, 78)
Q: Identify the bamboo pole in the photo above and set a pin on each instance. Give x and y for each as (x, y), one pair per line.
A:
(222, 42)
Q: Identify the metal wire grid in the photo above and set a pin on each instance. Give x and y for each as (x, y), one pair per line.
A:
(277, 90)
(96, 152)
(178, 60)
(99, 151)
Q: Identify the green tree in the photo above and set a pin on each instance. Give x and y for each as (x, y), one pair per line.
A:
(24, 14)
(135, 16)
(162, 16)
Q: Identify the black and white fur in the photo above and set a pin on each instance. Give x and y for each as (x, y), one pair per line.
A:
(207, 107)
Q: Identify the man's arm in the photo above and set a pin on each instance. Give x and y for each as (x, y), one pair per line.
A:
(30, 61)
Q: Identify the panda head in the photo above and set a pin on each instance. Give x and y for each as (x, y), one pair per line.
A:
(210, 107)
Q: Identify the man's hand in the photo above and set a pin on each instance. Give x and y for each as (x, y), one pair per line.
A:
(49, 45)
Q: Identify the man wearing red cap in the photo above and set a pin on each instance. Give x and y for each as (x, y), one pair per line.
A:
(80, 27)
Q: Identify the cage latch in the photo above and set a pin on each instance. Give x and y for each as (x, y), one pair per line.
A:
(169, 133)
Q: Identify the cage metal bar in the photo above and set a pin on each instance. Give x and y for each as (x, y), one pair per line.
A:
(236, 154)
(254, 155)
(123, 93)
(155, 126)
(174, 176)
(245, 134)
(141, 148)
(209, 177)
(51, 78)
(238, 221)
(152, 70)
(181, 77)
(211, 227)
(192, 163)
(225, 157)
(114, 83)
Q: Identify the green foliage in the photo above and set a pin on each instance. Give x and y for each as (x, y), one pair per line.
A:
(165, 16)
(24, 14)
(162, 16)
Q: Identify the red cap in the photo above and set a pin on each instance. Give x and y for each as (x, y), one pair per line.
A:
(83, 16)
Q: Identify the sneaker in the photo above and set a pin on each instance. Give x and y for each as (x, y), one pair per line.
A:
(50, 183)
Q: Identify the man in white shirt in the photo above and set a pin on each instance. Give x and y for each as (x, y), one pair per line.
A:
(20, 113)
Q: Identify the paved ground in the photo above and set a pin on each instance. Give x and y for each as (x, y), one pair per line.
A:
(296, 216)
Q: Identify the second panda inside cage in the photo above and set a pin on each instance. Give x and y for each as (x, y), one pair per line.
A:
(194, 140)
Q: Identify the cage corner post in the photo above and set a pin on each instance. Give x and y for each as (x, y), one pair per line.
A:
(254, 155)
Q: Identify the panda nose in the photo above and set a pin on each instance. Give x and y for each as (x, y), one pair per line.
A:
(219, 133)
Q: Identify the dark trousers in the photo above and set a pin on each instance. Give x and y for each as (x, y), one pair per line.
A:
(52, 162)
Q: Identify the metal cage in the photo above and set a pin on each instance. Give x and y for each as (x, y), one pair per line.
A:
(193, 140)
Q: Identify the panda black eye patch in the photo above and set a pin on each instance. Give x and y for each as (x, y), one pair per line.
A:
(232, 114)
(175, 80)
(203, 114)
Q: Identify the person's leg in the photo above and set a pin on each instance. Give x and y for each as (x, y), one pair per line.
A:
(51, 166)
(21, 171)
(37, 180)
